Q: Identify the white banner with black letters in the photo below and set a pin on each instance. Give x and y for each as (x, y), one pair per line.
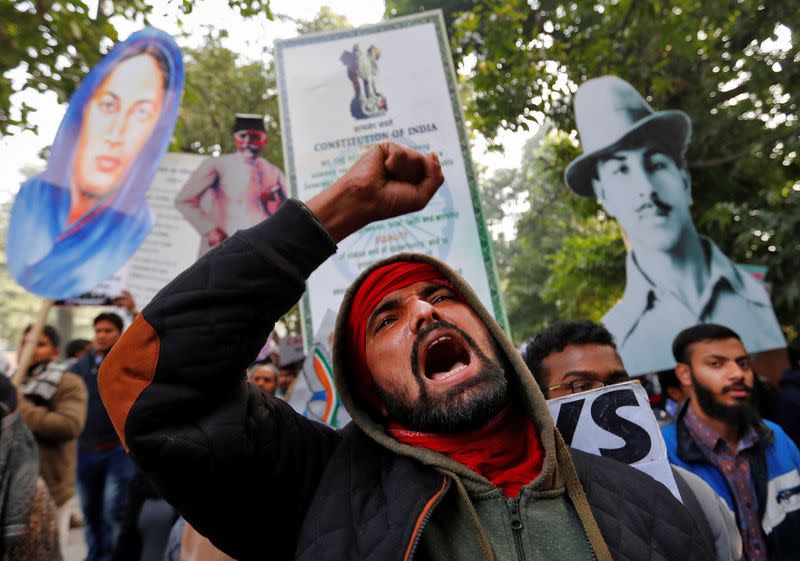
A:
(615, 422)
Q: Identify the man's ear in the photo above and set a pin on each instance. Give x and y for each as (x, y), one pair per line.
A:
(684, 374)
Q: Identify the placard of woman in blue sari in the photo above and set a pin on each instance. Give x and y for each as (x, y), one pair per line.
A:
(75, 224)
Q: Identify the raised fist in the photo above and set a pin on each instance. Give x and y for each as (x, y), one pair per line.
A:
(390, 180)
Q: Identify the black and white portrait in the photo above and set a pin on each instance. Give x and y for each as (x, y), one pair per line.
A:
(634, 163)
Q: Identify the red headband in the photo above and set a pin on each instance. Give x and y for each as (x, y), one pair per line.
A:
(378, 284)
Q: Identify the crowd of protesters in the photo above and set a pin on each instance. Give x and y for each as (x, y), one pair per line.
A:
(70, 468)
(452, 453)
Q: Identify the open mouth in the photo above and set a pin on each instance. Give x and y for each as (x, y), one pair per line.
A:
(444, 357)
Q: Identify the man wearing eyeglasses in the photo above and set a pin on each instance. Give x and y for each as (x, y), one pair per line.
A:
(573, 356)
(570, 357)
(234, 191)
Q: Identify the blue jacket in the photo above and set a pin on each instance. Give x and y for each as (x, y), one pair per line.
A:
(775, 473)
(98, 433)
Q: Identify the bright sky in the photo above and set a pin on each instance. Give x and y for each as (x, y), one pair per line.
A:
(249, 37)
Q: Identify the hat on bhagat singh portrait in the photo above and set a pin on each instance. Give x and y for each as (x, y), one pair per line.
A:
(248, 122)
(609, 112)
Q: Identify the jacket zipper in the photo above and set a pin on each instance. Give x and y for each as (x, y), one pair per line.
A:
(425, 515)
(591, 547)
(516, 526)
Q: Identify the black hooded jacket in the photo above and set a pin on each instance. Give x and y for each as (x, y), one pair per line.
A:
(262, 481)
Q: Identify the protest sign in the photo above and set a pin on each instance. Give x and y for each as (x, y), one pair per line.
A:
(615, 422)
(341, 93)
(169, 249)
(76, 223)
(315, 394)
(634, 163)
(290, 348)
(166, 251)
(233, 191)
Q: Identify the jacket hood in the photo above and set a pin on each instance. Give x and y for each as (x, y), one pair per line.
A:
(528, 395)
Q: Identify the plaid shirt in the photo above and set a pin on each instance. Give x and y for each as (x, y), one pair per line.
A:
(735, 467)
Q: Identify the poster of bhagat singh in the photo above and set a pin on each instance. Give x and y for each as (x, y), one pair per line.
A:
(634, 163)
(233, 191)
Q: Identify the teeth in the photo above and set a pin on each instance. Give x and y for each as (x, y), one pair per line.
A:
(445, 375)
(439, 340)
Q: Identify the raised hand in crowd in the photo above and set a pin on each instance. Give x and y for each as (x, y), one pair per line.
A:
(125, 300)
(389, 180)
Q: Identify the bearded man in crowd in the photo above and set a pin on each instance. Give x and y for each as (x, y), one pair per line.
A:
(750, 463)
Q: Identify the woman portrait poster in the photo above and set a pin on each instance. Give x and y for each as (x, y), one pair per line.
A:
(75, 224)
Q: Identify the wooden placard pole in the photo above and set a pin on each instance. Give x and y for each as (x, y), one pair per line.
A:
(33, 337)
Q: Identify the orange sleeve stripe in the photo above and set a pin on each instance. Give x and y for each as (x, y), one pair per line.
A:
(127, 370)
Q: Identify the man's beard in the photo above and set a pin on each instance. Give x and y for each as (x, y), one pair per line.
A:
(461, 408)
(740, 416)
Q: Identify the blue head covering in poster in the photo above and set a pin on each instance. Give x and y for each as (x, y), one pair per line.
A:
(76, 223)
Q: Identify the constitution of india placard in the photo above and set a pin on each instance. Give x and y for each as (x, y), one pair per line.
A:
(342, 92)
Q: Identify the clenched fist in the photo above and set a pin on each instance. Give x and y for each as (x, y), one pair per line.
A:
(389, 180)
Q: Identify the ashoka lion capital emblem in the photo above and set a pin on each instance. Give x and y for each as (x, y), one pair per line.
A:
(362, 69)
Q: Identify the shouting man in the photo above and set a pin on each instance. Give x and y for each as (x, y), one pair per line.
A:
(634, 163)
(750, 463)
(452, 453)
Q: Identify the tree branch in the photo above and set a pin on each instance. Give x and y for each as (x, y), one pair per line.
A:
(722, 160)
(627, 19)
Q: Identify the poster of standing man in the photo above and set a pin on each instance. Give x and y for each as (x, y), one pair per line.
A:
(234, 191)
(634, 163)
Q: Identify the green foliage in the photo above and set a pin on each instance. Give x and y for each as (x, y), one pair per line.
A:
(770, 236)
(325, 20)
(719, 61)
(450, 8)
(566, 258)
(217, 86)
(586, 273)
(680, 54)
(57, 42)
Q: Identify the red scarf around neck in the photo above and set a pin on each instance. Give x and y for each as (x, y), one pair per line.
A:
(506, 451)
